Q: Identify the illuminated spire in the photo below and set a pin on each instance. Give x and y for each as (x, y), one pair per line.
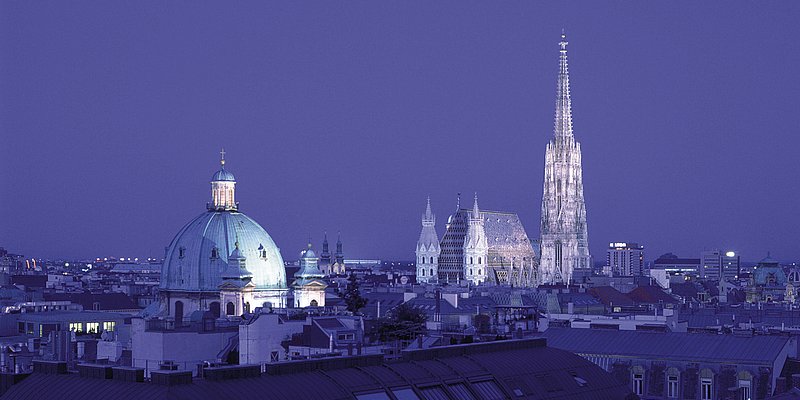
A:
(428, 218)
(476, 212)
(563, 123)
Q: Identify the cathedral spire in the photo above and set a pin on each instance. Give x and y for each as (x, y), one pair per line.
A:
(428, 217)
(563, 123)
(476, 212)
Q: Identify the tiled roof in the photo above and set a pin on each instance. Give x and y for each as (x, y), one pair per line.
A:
(519, 369)
(694, 347)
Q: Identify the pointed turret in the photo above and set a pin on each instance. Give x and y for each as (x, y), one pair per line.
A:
(428, 249)
(325, 256)
(309, 287)
(339, 253)
(476, 247)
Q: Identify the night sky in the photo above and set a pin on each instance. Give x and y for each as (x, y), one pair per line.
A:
(346, 115)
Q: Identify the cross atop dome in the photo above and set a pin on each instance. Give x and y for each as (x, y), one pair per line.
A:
(222, 157)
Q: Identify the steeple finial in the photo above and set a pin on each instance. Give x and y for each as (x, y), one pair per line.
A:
(222, 157)
(475, 210)
(428, 212)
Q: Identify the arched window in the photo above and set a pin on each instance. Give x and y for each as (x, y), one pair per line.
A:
(431, 260)
(431, 271)
(480, 271)
(179, 313)
(230, 308)
(479, 260)
(470, 260)
(214, 253)
(423, 272)
(470, 271)
(214, 308)
(314, 303)
(673, 376)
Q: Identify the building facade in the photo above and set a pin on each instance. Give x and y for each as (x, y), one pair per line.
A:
(428, 249)
(564, 238)
(624, 259)
(719, 265)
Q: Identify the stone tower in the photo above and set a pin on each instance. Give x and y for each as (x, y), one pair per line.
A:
(428, 249)
(564, 240)
(476, 248)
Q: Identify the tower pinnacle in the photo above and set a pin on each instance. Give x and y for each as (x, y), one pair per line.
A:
(563, 122)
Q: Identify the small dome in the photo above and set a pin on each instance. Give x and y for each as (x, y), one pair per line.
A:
(308, 253)
(223, 175)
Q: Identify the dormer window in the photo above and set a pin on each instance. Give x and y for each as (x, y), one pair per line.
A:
(214, 253)
(262, 252)
(181, 252)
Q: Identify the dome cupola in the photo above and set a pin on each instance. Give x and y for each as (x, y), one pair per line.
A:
(223, 188)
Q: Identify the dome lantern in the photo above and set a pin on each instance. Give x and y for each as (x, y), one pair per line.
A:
(223, 188)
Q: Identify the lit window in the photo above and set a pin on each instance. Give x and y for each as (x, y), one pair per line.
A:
(92, 327)
(76, 327)
(109, 326)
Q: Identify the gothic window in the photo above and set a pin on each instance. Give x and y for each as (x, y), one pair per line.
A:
(470, 260)
(479, 260)
(470, 271)
(480, 271)
(423, 272)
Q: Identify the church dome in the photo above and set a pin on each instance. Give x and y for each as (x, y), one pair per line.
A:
(198, 256)
(223, 175)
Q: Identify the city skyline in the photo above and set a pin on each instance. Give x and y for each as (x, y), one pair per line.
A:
(350, 126)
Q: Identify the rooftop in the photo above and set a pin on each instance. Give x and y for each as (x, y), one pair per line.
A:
(522, 369)
(694, 347)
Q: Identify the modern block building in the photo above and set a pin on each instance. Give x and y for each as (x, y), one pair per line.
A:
(625, 259)
(719, 265)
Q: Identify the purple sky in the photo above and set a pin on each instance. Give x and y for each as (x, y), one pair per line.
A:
(346, 115)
